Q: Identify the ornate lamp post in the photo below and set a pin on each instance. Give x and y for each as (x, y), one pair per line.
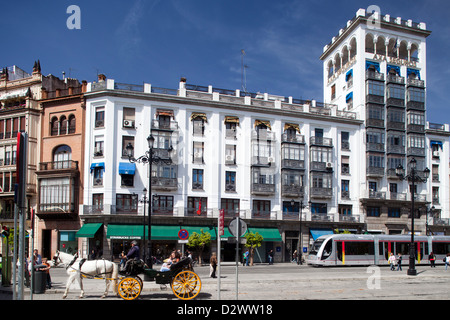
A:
(413, 177)
(150, 158)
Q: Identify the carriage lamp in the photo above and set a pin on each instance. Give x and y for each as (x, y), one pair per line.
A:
(414, 177)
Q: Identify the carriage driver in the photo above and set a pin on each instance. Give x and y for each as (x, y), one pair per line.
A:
(132, 255)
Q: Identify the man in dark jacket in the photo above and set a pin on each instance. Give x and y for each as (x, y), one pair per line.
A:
(132, 255)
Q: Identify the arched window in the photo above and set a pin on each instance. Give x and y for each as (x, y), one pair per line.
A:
(353, 47)
(403, 50)
(54, 126)
(381, 46)
(414, 52)
(72, 124)
(369, 43)
(62, 157)
(63, 125)
(344, 55)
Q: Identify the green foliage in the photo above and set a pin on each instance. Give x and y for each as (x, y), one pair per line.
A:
(254, 240)
(198, 242)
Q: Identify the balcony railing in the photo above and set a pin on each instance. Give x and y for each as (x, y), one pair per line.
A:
(321, 192)
(321, 141)
(292, 191)
(159, 183)
(263, 189)
(58, 165)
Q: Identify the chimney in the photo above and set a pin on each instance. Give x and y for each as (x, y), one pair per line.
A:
(83, 86)
(101, 77)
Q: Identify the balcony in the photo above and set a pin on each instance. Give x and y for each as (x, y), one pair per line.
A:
(168, 184)
(417, 128)
(392, 78)
(372, 75)
(420, 152)
(263, 189)
(395, 125)
(324, 193)
(164, 125)
(377, 123)
(372, 98)
(297, 138)
(375, 171)
(377, 147)
(415, 105)
(395, 149)
(416, 83)
(322, 217)
(264, 215)
(321, 141)
(394, 102)
(58, 165)
(293, 191)
(292, 164)
(56, 211)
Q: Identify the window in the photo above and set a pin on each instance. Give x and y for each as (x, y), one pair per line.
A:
(262, 176)
(54, 131)
(230, 207)
(197, 179)
(230, 181)
(197, 206)
(98, 147)
(435, 195)
(375, 112)
(99, 117)
(345, 189)
(376, 161)
(393, 163)
(375, 137)
(396, 91)
(127, 180)
(393, 187)
(198, 125)
(63, 125)
(321, 154)
(125, 141)
(72, 124)
(261, 208)
(230, 130)
(373, 211)
(416, 94)
(55, 194)
(416, 141)
(292, 151)
(162, 140)
(321, 180)
(319, 208)
(128, 117)
(163, 204)
(375, 88)
(345, 165)
(372, 186)
(416, 118)
(396, 116)
(98, 176)
(126, 202)
(345, 143)
(230, 154)
(62, 157)
(394, 212)
(198, 148)
(97, 202)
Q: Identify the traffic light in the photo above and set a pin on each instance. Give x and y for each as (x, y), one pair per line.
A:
(5, 231)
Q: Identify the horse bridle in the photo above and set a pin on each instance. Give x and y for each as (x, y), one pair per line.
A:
(56, 258)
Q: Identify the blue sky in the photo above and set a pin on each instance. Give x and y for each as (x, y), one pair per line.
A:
(159, 41)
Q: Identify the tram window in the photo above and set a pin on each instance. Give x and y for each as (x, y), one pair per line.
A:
(441, 247)
(359, 248)
(316, 246)
(327, 249)
(401, 247)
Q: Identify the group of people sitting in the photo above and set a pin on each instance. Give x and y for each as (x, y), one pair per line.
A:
(133, 255)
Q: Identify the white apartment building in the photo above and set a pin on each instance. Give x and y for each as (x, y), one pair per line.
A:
(292, 169)
(376, 67)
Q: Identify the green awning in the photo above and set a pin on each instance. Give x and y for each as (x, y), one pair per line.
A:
(88, 230)
(268, 234)
(159, 232)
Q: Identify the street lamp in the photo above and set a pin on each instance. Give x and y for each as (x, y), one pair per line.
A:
(413, 177)
(300, 242)
(150, 158)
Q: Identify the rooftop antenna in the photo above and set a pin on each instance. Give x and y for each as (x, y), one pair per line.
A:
(243, 75)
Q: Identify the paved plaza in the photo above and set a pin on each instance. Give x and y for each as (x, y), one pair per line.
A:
(283, 281)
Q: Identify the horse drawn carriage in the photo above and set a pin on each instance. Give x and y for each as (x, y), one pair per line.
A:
(185, 283)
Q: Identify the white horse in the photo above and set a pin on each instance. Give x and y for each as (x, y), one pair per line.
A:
(76, 269)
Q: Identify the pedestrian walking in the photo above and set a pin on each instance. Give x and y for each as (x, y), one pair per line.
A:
(392, 261)
(447, 261)
(432, 259)
(213, 265)
(295, 257)
(399, 262)
(271, 257)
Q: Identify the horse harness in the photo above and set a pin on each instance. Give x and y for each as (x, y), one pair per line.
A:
(85, 275)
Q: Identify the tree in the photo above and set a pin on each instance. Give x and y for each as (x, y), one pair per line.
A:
(198, 242)
(254, 240)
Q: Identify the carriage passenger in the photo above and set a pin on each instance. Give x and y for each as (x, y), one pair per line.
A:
(174, 258)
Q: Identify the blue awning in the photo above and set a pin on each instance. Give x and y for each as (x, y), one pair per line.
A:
(436, 143)
(395, 68)
(97, 165)
(416, 72)
(376, 65)
(315, 233)
(349, 96)
(348, 74)
(127, 168)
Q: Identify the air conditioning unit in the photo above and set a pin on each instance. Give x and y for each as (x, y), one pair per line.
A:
(197, 155)
(329, 165)
(99, 123)
(271, 159)
(128, 123)
(229, 157)
(436, 154)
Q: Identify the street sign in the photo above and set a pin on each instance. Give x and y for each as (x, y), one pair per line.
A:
(221, 222)
(233, 225)
(183, 234)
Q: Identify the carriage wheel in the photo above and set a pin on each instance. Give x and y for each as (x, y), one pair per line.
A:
(186, 285)
(130, 288)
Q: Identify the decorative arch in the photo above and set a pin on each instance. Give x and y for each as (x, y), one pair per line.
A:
(54, 126)
(62, 156)
(345, 55)
(381, 46)
(72, 123)
(403, 50)
(370, 43)
(353, 47)
(414, 55)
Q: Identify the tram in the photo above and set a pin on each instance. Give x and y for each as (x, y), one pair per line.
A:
(354, 249)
